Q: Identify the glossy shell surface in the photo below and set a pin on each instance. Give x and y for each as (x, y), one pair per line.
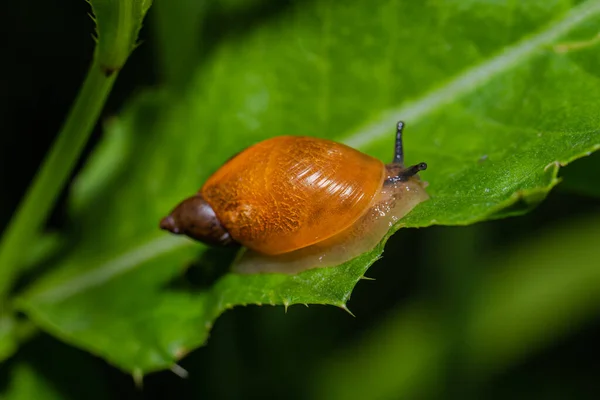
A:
(291, 192)
(392, 203)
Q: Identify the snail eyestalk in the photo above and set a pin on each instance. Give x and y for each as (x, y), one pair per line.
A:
(396, 172)
(413, 170)
(404, 174)
(398, 149)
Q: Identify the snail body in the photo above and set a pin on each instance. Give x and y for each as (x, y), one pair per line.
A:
(299, 202)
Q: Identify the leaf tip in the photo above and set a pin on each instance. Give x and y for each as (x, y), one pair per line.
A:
(138, 378)
(344, 307)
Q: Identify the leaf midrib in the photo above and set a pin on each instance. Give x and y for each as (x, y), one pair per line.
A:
(473, 78)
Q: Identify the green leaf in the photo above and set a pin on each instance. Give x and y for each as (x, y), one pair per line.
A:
(26, 383)
(494, 113)
(8, 339)
(179, 24)
(13, 331)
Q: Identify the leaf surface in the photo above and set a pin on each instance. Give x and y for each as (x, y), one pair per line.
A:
(493, 112)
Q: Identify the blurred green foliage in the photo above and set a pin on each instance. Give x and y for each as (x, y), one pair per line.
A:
(531, 294)
(491, 104)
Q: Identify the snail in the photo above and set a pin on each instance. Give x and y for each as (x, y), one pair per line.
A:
(297, 203)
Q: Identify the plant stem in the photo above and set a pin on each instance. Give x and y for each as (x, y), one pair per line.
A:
(52, 176)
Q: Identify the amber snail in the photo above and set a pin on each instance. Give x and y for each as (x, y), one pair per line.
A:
(300, 202)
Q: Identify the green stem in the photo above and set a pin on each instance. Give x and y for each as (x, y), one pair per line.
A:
(52, 175)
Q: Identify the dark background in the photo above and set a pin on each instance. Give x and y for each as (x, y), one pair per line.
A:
(254, 351)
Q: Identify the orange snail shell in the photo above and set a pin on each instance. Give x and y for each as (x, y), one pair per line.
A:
(289, 192)
(298, 203)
